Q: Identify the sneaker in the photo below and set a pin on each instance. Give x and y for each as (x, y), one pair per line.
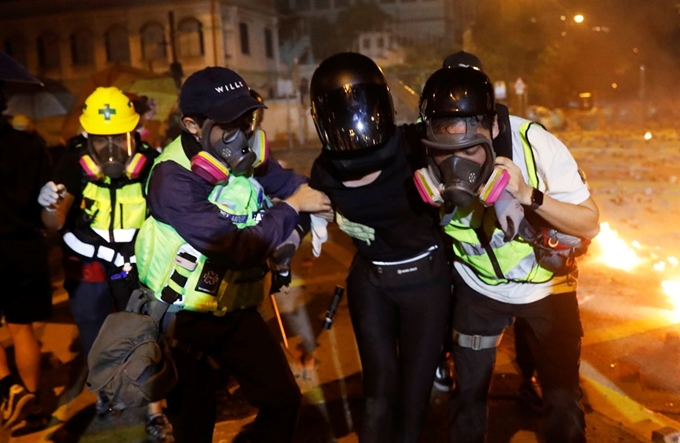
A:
(443, 376)
(16, 406)
(530, 393)
(159, 428)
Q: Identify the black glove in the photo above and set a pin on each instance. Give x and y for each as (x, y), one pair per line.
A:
(279, 280)
(279, 262)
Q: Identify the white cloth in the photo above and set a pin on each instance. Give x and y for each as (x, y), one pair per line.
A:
(559, 178)
(319, 233)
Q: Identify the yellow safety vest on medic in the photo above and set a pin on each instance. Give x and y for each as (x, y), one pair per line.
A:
(479, 243)
(115, 215)
(171, 267)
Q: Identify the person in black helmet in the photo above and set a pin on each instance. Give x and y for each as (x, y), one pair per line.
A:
(504, 268)
(398, 286)
(502, 145)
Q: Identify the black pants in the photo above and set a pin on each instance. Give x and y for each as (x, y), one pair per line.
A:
(554, 337)
(243, 345)
(399, 329)
(523, 357)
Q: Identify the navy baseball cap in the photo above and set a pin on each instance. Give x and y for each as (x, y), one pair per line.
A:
(218, 93)
(462, 59)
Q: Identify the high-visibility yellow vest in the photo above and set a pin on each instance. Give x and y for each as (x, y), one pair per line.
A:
(166, 262)
(478, 242)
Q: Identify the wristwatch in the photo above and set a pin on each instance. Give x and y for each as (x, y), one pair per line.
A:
(536, 199)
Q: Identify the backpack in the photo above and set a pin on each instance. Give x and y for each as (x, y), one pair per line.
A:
(130, 362)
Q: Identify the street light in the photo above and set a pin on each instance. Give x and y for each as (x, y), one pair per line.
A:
(578, 18)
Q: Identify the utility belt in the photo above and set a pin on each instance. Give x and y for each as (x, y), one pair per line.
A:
(409, 271)
(96, 251)
(555, 251)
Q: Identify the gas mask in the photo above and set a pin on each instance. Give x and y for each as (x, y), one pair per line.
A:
(229, 146)
(111, 153)
(460, 177)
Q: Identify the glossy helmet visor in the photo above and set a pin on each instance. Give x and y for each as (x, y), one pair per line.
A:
(355, 123)
(354, 118)
(353, 113)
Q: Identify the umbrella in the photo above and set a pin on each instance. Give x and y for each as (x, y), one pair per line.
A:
(38, 102)
(12, 71)
(128, 79)
(162, 94)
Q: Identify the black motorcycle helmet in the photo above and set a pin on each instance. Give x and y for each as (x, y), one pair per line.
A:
(462, 59)
(457, 92)
(353, 113)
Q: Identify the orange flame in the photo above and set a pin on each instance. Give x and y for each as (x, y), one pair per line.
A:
(615, 252)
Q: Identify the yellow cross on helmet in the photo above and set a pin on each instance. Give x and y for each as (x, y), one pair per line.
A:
(107, 111)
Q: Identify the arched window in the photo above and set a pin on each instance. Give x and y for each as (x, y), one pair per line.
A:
(190, 38)
(245, 38)
(153, 42)
(82, 48)
(48, 51)
(15, 46)
(117, 44)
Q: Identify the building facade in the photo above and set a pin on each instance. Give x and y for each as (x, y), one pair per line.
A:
(413, 21)
(69, 40)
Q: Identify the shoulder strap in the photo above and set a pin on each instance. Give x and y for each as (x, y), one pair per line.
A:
(502, 144)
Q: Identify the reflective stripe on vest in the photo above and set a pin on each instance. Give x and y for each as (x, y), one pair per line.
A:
(129, 212)
(516, 259)
(91, 251)
(158, 247)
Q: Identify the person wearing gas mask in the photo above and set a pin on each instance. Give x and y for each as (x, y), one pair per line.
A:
(502, 144)
(97, 198)
(204, 248)
(499, 274)
(398, 287)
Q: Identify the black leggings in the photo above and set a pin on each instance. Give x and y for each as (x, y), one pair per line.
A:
(399, 329)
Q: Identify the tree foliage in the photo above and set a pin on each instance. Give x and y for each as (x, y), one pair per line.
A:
(559, 58)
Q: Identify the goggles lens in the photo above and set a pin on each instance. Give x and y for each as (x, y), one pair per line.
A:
(101, 143)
